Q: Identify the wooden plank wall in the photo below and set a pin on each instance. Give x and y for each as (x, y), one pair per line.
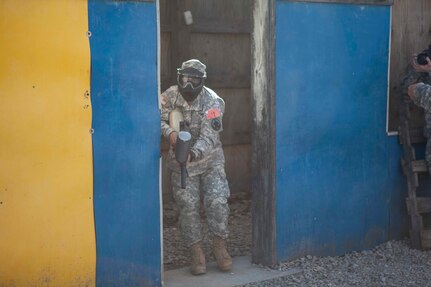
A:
(411, 33)
(220, 38)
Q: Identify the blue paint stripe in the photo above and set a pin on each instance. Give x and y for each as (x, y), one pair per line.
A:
(126, 142)
(334, 170)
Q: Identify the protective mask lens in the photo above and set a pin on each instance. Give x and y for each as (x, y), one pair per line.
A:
(193, 81)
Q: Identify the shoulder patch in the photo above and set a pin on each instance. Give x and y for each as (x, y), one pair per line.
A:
(213, 113)
(163, 99)
(216, 124)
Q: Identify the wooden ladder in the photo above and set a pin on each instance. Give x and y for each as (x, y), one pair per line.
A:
(416, 206)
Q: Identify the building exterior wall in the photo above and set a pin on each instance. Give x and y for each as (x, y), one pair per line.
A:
(46, 179)
(126, 133)
(79, 194)
(338, 174)
(79, 155)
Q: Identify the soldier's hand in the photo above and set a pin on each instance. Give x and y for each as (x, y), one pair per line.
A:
(411, 90)
(173, 139)
(421, 68)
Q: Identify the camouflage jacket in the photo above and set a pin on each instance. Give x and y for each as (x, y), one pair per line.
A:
(421, 97)
(203, 120)
(413, 77)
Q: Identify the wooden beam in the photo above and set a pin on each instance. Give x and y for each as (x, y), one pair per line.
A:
(419, 166)
(423, 204)
(204, 25)
(263, 133)
(412, 177)
(426, 239)
(416, 135)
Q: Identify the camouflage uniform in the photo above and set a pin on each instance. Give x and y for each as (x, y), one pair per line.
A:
(203, 118)
(422, 98)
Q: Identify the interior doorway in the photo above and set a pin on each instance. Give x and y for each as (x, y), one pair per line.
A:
(217, 32)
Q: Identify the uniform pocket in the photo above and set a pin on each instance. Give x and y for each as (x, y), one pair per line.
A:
(195, 123)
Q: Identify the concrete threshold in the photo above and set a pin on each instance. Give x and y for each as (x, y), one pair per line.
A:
(242, 272)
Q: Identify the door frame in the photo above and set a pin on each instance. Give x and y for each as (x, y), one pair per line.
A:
(263, 131)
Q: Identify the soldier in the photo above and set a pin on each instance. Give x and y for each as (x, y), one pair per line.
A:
(417, 85)
(202, 111)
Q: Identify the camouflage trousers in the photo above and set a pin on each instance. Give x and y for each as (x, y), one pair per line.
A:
(427, 133)
(215, 190)
(428, 155)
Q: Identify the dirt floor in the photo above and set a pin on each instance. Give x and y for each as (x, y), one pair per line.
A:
(239, 242)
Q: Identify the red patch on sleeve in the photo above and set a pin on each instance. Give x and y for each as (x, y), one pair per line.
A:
(163, 99)
(213, 113)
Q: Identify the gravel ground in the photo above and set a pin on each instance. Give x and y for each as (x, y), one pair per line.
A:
(393, 263)
(239, 242)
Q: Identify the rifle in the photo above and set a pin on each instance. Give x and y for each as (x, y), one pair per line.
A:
(182, 149)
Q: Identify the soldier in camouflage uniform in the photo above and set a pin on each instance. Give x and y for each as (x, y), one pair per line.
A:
(202, 111)
(417, 85)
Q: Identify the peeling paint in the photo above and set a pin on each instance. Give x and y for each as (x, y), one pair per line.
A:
(260, 78)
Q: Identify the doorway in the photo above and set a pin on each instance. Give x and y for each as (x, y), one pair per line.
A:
(219, 34)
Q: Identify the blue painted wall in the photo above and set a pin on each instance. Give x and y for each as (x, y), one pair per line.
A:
(125, 142)
(339, 183)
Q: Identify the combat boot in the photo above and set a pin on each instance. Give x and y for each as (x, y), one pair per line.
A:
(224, 261)
(198, 260)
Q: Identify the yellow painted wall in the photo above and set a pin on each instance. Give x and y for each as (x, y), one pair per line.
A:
(46, 185)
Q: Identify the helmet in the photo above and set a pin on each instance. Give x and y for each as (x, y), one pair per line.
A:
(190, 78)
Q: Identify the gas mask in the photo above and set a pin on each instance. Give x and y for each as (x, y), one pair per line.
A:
(190, 83)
